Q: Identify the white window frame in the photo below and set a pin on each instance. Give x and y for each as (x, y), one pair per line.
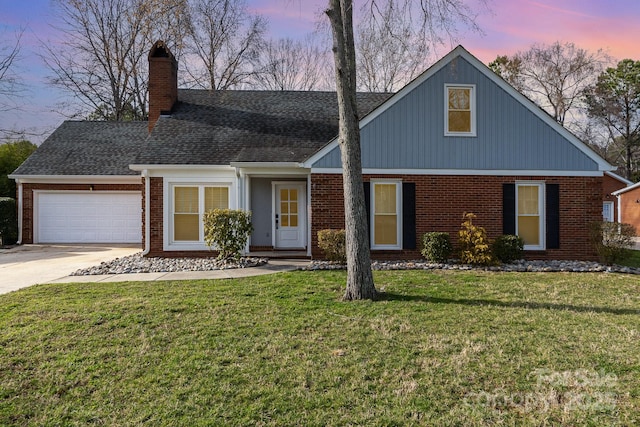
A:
(472, 106)
(398, 185)
(542, 209)
(611, 217)
(169, 241)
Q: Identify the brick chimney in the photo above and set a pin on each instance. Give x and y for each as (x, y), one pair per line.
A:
(163, 82)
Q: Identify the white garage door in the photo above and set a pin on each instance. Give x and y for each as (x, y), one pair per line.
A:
(88, 217)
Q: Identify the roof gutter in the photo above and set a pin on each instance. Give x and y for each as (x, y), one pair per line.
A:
(142, 167)
(76, 179)
(267, 164)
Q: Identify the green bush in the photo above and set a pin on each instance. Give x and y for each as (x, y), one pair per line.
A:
(613, 241)
(508, 248)
(8, 221)
(228, 230)
(475, 246)
(436, 246)
(333, 245)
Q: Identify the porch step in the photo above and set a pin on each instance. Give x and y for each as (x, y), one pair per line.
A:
(280, 254)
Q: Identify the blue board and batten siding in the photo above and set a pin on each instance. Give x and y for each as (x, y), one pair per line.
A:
(410, 133)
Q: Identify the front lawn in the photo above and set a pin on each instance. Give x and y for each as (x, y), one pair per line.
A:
(442, 348)
(633, 260)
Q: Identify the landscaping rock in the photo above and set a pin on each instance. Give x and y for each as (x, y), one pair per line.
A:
(136, 263)
(517, 266)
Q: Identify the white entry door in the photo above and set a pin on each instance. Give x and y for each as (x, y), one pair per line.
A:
(290, 219)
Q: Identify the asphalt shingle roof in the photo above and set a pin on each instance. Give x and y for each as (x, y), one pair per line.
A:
(88, 148)
(205, 128)
(216, 128)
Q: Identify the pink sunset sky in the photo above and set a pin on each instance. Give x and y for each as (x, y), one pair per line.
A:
(509, 26)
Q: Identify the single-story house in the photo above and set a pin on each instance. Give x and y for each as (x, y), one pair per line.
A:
(456, 139)
(628, 206)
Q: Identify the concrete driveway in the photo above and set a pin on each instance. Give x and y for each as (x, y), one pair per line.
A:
(27, 265)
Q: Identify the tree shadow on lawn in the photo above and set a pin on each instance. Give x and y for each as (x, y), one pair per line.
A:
(389, 296)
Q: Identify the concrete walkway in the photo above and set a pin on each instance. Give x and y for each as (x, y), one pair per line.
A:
(27, 265)
(274, 266)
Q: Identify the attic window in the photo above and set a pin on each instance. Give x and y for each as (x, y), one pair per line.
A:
(460, 110)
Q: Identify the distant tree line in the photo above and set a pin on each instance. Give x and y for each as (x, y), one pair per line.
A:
(100, 56)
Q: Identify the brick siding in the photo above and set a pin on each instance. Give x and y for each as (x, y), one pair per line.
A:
(163, 83)
(630, 206)
(609, 185)
(441, 202)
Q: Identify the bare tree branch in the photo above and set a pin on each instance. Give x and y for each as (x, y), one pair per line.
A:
(101, 61)
(10, 84)
(224, 38)
(287, 64)
(554, 76)
(396, 40)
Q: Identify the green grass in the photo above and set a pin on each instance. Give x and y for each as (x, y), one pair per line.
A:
(633, 260)
(442, 348)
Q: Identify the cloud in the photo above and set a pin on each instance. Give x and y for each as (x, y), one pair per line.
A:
(515, 26)
(559, 9)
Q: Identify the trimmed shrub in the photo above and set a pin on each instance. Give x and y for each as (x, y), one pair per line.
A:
(613, 241)
(475, 246)
(436, 246)
(8, 221)
(333, 245)
(508, 248)
(228, 230)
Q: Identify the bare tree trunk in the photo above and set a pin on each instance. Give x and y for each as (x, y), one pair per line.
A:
(359, 277)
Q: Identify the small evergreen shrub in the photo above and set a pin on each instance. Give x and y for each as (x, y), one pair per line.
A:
(228, 230)
(475, 246)
(333, 244)
(508, 248)
(8, 221)
(613, 241)
(436, 246)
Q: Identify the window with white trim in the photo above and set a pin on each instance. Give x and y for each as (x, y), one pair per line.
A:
(460, 110)
(530, 214)
(607, 211)
(386, 215)
(190, 202)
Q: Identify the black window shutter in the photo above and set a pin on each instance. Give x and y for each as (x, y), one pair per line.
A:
(367, 205)
(408, 215)
(508, 208)
(553, 216)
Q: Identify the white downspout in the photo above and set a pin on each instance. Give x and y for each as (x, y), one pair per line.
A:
(147, 213)
(241, 201)
(20, 212)
(309, 215)
(619, 203)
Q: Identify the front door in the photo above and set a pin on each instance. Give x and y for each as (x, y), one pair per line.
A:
(289, 220)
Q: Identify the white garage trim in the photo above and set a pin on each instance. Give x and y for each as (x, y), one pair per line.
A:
(87, 216)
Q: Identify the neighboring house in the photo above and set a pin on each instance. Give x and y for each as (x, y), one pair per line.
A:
(610, 184)
(456, 139)
(629, 205)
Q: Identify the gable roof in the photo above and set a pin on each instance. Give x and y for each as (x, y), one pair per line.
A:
(449, 62)
(221, 127)
(87, 148)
